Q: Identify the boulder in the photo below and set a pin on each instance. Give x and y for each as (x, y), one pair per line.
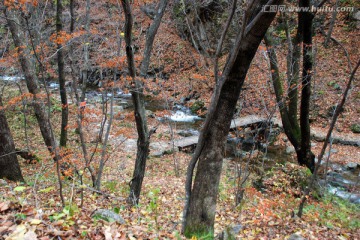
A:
(149, 114)
(188, 133)
(108, 215)
(290, 149)
(356, 17)
(230, 233)
(3, 183)
(296, 236)
(351, 166)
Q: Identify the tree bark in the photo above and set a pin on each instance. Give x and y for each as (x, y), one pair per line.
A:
(199, 212)
(61, 74)
(150, 37)
(31, 78)
(332, 24)
(85, 72)
(298, 132)
(139, 111)
(327, 138)
(305, 156)
(9, 165)
(279, 93)
(143, 141)
(28, 67)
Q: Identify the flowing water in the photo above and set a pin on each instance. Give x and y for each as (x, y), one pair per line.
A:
(343, 182)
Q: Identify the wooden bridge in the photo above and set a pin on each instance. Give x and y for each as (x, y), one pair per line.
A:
(241, 122)
(251, 120)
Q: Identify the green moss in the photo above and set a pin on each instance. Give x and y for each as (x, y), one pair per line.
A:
(355, 128)
(196, 106)
(335, 212)
(199, 231)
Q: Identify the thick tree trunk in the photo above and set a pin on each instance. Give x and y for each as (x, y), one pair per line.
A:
(61, 74)
(9, 165)
(31, 78)
(199, 212)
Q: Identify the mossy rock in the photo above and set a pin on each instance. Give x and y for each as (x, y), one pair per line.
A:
(196, 106)
(355, 128)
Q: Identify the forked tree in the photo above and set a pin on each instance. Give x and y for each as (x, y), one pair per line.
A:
(300, 46)
(15, 21)
(136, 90)
(200, 206)
(16, 17)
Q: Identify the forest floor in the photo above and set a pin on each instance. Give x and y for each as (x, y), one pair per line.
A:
(271, 194)
(265, 212)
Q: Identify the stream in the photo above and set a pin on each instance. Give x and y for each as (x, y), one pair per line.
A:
(342, 181)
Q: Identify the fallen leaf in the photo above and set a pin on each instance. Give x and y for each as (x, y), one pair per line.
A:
(19, 188)
(18, 234)
(4, 206)
(3, 229)
(107, 233)
(30, 235)
(35, 221)
(44, 238)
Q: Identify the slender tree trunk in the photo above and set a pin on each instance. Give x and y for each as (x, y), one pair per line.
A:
(106, 138)
(85, 72)
(199, 212)
(293, 82)
(79, 98)
(139, 111)
(143, 141)
(297, 132)
(328, 138)
(9, 165)
(72, 16)
(61, 74)
(31, 78)
(279, 93)
(150, 37)
(332, 24)
(28, 68)
(305, 156)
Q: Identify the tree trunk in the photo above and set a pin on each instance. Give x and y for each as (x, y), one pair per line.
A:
(31, 78)
(199, 212)
(305, 156)
(85, 72)
(9, 165)
(61, 74)
(139, 111)
(279, 93)
(298, 136)
(332, 24)
(143, 141)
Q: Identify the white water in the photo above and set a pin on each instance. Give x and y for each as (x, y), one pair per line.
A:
(11, 78)
(180, 116)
